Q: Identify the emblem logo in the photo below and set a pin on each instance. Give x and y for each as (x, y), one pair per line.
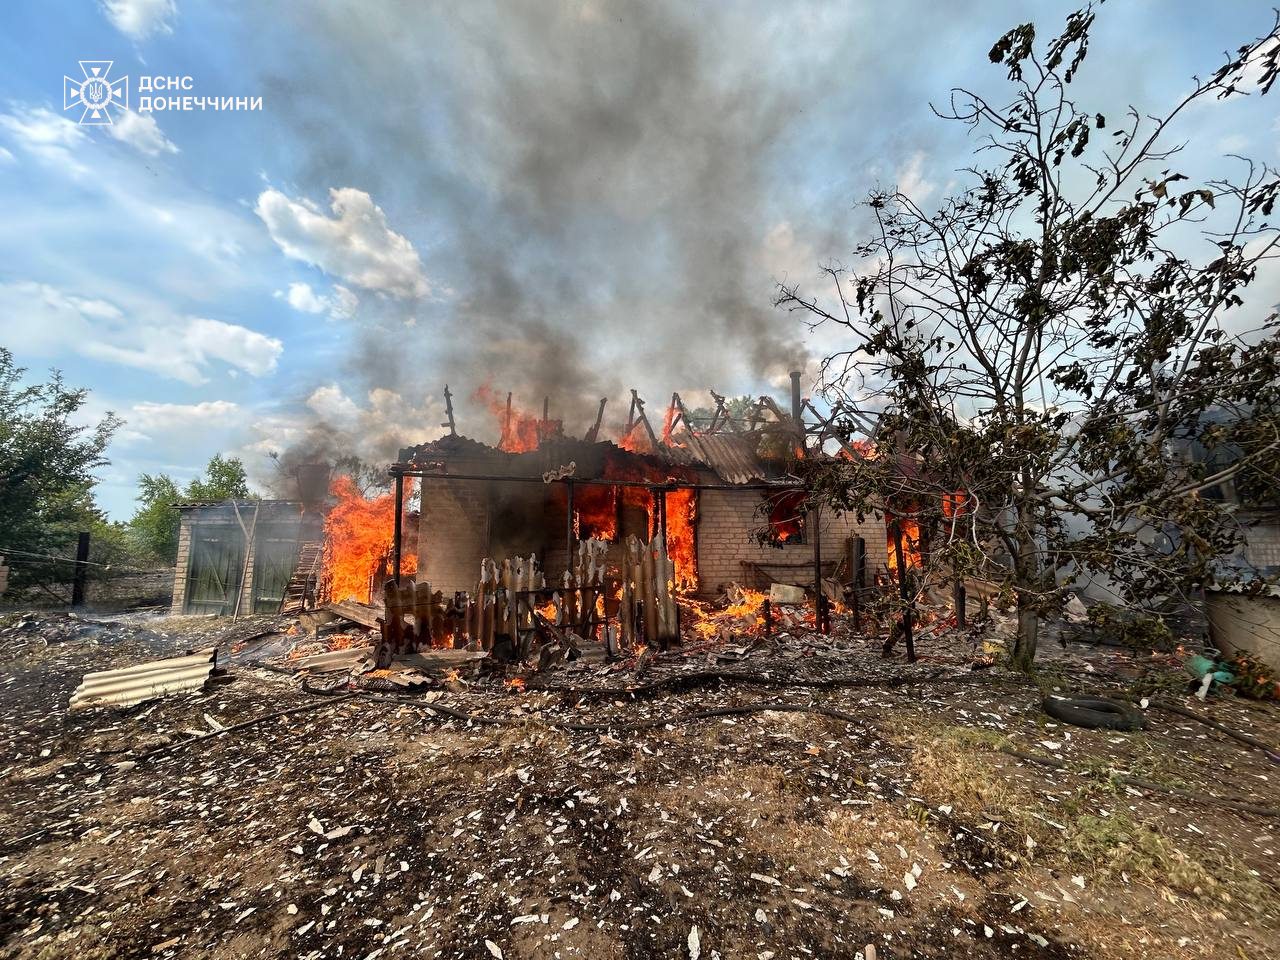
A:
(96, 92)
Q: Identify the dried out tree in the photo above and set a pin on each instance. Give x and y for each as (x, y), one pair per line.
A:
(1046, 346)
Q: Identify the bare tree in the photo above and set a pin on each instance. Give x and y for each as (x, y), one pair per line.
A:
(1051, 340)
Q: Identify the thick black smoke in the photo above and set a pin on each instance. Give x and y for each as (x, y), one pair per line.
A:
(601, 179)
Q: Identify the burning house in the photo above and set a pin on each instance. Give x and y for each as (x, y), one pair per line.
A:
(719, 497)
(708, 505)
(727, 516)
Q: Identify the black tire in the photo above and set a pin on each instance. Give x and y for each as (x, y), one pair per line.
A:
(1095, 713)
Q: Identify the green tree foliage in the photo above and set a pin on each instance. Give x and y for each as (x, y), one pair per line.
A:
(224, 479)
(155, 523)
(47, 459)
(740, 410)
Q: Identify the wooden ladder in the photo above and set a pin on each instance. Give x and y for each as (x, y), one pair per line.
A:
(301, 588)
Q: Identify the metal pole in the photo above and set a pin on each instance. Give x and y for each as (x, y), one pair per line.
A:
(859, 577)
(397, 536)
(820, 598)
(81, 570)
(797, 411)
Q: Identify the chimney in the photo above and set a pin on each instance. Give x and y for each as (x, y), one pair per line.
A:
(796, 412)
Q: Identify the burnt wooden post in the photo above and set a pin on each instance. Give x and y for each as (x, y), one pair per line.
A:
(768, 617)
(81, 570)
(397, 537)
(568, 526)
(856, 556)
(448, 409)
(959, 600)
(903, 590)
(820, 598)
(594, 432)
(660, 503)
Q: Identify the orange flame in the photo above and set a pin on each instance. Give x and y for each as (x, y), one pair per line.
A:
(520, 430)
(786, 515)
(667, 423)
(955, 504)
(636, 440)
(682, 515)
(742, 616)
(595, 512)
(358, 536)
(911, 554)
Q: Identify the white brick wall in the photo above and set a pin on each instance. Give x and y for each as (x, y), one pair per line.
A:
(1262, 541)
(453, 533)
(180, 565)
(726, 520)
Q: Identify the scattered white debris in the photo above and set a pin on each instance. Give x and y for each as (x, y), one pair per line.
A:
(695, 943)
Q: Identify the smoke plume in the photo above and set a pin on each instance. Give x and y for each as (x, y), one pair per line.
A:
(586, 183)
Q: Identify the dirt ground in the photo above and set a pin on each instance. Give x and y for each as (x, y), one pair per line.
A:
(370, 828)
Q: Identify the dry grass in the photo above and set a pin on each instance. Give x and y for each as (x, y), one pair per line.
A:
(957, 766)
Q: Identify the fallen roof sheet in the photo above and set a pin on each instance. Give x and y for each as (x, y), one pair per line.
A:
(143, 681)
(331, 660)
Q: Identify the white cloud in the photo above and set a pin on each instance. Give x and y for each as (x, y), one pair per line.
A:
(6, 156)
(333, 406)
(148, 418)
(1235, 143)
(911, 179)
(139, 19)
(356, 244)
(164, 219)
(1261, 297)
(40, 319)
(141, 132)
(47, 136)
(302, 297)
(340, 305)
(254, 353)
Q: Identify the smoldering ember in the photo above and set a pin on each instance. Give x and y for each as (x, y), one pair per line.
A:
(611, 480)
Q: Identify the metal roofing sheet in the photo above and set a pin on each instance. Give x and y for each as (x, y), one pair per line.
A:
(731, 456)
(144, 680)
(452, 445)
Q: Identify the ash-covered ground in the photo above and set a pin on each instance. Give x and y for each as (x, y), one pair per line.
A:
(835, 802)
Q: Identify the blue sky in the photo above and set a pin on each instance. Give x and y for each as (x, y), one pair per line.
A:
(560, 198)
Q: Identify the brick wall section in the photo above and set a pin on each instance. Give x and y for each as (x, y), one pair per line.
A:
(726, 520)
(453, 534)
(1262, 540)
(180, 566)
